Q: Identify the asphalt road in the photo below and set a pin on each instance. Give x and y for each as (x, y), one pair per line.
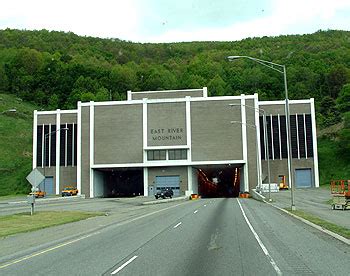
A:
(203, 237)
(316, 201)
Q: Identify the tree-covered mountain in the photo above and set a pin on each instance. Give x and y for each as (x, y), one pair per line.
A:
(55, 69)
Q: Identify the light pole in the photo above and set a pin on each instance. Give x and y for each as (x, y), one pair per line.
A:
(45, 137)
(281, 69)
(260, 110)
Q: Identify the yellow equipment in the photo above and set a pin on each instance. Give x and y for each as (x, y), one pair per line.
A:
(282, 182)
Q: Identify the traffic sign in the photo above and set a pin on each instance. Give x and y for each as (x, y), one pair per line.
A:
(35, 178)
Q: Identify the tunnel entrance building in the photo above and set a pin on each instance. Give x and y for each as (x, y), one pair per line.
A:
(178, 139)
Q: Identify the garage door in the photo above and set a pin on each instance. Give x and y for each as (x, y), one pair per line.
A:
(48, 187)
(303, 178)
(172, 182)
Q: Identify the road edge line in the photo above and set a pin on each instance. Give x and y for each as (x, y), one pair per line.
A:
(263, 247)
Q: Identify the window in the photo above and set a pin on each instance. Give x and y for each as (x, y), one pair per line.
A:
(153, 155)
(276, 138)
(309, 142)
(178, 154)
(53, 146)
(39, 146)
(62, 134)
(68, 145)
(301, 136)
(300, 131)
(173, 154)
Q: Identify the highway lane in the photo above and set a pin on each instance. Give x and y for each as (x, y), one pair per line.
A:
(204, 237)
(69, 204)
(216, 240)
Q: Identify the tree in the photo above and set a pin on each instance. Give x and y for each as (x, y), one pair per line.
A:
(217, 86)
(4, 82)
(102, 95)
(329, 115)
(53, 102)
(336, 78)
(344, 138)
(343, 101)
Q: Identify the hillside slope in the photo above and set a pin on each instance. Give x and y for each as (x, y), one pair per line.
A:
(16, 144)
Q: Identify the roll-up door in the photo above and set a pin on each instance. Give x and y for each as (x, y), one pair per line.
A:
(172, 182)
(303, 178)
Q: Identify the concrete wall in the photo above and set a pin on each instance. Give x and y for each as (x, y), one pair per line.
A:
(46, 119)
(99, 183)
(251, 145)
(275, 109)
(169, 171)
(118, 135)
(167, 94)
(69, 118)
(68, 176)
(280, 167)
(166, 124)
(213, 136)
(194, 180)
(85, 150)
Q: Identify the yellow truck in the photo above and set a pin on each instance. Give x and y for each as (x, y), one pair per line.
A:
(69, 191)
(38, 193)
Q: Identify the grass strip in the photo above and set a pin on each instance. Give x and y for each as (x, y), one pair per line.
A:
(24, 222)
(340, 230)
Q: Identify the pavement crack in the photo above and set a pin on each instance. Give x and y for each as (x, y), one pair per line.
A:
(212, 244)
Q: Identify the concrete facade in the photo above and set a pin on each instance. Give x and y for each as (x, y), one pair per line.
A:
(146, 131)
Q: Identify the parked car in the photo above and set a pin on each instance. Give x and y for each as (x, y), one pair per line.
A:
(69, 191)
(163, 193)
(38, 193)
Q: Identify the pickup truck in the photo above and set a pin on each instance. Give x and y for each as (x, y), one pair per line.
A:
(38, 194)
(69, 191)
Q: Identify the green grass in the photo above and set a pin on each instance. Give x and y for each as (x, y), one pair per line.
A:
(13, 197)
(16, 145)
(24, 222)
(332, 165)
(340, 230)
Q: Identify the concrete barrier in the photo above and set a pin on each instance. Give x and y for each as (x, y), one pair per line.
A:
(257, 195)
(160, 201)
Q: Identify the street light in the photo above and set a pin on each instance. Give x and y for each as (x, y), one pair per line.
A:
(281, 69)
(45, 137)
(260, 110)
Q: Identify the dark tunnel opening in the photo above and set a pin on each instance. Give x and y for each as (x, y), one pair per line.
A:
(219, 181)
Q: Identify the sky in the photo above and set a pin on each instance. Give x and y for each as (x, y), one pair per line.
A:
(177, 20)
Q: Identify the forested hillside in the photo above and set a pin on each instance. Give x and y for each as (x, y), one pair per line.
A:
(56, 69)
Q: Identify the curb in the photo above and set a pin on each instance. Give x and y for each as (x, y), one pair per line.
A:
(257, 196)
(48, 199)
(160, 201)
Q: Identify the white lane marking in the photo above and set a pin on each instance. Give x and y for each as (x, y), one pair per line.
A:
(205, 205)
(177, 225)
(47, 250)
(195, 212)
(264, 249)
(84, 237)
(123, 265)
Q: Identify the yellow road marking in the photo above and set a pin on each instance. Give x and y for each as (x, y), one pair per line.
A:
(45, 251)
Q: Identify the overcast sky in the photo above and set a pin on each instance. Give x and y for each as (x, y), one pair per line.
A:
(177, 20)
